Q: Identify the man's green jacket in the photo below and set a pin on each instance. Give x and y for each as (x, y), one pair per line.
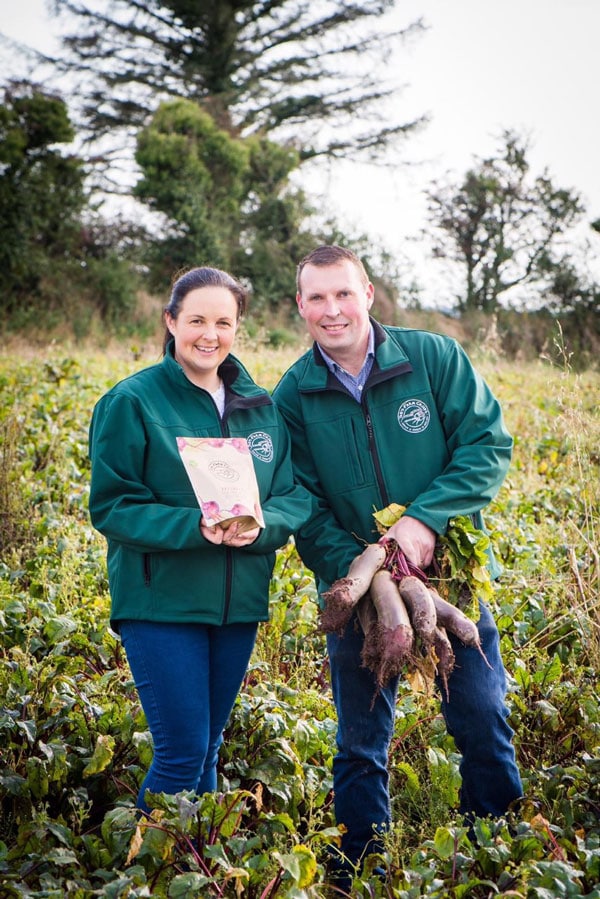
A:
(428, 434)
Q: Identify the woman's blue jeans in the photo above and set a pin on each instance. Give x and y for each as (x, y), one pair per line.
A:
(187, 677)
(475, 715)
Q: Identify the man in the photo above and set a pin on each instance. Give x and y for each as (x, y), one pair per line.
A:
(380, 415)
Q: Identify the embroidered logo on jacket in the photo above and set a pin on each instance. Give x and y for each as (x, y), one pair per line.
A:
(413, 416)
(261, 446)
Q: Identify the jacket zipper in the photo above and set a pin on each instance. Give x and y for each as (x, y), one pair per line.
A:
(228, 551)
(375, 455)
(377, 377)
(147, 572)
(232, 403)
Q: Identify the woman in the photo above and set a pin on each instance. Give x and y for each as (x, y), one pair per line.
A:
(186, 597)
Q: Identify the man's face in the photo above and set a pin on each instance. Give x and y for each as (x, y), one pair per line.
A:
(334, 301)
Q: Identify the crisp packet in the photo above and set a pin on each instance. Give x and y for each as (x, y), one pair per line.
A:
(222, 474)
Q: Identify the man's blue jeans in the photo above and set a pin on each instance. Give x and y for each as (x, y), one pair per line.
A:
(476, 716)
(187, 677)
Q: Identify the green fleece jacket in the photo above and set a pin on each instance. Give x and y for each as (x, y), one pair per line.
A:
(160, 567)
(428, 433)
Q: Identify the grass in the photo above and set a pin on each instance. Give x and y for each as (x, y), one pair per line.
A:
(73, 742)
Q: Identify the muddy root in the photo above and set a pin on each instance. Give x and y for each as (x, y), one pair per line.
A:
(338, 608)
(386, 652)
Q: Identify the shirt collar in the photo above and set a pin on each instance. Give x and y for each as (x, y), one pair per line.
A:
(334, 366)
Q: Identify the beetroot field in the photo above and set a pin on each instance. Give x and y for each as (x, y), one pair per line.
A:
(73, 741)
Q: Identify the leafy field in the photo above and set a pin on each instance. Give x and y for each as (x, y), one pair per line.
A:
(73, 744)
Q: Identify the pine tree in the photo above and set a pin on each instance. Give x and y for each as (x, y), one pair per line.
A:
(309, 73)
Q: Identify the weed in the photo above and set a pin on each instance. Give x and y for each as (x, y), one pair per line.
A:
(74, 745)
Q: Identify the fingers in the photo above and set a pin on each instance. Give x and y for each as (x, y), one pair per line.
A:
(214, 534)
(415, 539)
(229, 536)
(233, 537)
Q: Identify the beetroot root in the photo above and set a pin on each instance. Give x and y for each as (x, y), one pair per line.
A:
(456, 622)
(386, 651)
(444, 656)
(389, 637)
(421, 609)
(344, 594)
(339, 604)
(366, 614)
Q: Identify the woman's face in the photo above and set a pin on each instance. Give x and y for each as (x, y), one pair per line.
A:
(204, 331)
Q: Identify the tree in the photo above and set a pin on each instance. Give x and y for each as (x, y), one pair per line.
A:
(572, 292)
(225, 201)
(281, 68)
(503, 226)
(41, 191)
(274, 234)
(56, 255)
(194, 173)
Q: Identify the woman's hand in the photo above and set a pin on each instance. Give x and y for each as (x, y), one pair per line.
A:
(230, 536)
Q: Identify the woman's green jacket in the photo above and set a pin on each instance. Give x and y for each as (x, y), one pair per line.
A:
(160, 567)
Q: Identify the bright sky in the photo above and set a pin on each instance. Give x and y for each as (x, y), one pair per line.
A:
(482, 67)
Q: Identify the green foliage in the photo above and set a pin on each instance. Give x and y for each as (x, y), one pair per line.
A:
(226, 200)
(273, 234)
(41, 191)
(58, 266)
(194, 173)
(216, 96)
(73, 741)
(462, 557)
(111, 284)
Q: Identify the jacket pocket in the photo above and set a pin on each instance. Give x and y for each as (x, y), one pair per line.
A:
(340, 449)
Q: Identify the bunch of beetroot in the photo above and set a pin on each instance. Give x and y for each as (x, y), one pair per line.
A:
(404, 619)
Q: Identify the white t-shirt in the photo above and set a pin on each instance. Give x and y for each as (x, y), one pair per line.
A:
(219, 398)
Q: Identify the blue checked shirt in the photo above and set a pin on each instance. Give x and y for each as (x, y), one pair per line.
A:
(354, 384)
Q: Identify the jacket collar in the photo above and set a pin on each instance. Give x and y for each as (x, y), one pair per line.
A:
(390, 360)
(235, 376)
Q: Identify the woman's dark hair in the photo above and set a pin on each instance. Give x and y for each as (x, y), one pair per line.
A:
(204, 276)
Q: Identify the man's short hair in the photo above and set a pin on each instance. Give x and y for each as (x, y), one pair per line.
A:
(331, 254)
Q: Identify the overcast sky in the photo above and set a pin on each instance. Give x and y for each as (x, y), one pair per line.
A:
(480, 68)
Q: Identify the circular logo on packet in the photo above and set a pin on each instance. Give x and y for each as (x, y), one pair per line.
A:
(261, 446)
(413, 416)
(223, 471)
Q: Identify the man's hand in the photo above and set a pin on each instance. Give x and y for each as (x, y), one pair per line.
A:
(415, 539)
